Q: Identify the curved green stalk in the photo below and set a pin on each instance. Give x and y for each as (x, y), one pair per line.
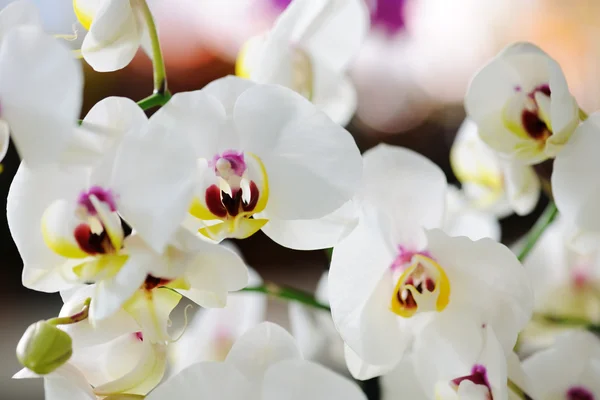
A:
(538, 228)
(161, 93)
(288, 293)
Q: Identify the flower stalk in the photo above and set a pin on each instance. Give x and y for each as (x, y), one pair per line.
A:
(161, 93)
(287, 293)
(518, 391)
(538, 228)
(572, 322)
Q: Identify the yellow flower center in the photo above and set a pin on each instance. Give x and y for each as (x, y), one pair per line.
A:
(228, 208)
(423, 286)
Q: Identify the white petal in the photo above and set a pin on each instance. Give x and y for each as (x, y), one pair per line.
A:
(114, 37)
(401, 383)
(193, 116)
(260, 348)
(334, 94)
(17, 13)
(487, 279)
(112, 293)
(407, 188)
(4, 139)
(523, 187)
(154, 180)
(547, 264)
(212, 331)
(109, 121)
(573, 361)
(313, 165)
(314, 234)
(451, 345)
(361, 370)
(31, 192)
(151, 310)
(576, 196)
(315, 332)
(143, 377)
(34, 67)
(215, 271)
(227, 90)
(335, 33)
(299, 380)
(360, 291)
(208, 380)
(67, 383)
(463, 220)
(86, 334)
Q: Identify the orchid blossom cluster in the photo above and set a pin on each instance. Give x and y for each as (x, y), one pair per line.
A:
(125, 215)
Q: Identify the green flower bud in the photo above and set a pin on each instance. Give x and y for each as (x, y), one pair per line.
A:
(43, 348)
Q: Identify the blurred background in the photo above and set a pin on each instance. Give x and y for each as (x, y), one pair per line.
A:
(411, 76)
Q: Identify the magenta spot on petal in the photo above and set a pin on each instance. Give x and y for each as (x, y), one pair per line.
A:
(518, 88)
(405, 257)
(389, 15)
(139, 336)
(235, 158)
(280, 5)
(579, 393)
(104, 195)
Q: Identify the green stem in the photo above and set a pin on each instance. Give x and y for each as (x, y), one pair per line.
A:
(538, 228)
(582, 115)
(73, 319)
(158, 63)
(567, 321)
(154, 100)
(518, 391)
(288, 293)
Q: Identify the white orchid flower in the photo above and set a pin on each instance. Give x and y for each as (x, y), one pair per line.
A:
(492, 183)
(462, 219)
(393, 272)
(212, 332)
(567, 370)
(265, 158)
(522, 104)
(308, 50)
(475, 367)
(575, 190)
(264, 364)
(116, 29)
(112, 357)
(565, 281)
(41, 87)
(67, 220)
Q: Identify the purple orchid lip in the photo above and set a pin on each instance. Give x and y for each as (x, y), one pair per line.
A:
(390, 15)
(104, 195)
(579, 393)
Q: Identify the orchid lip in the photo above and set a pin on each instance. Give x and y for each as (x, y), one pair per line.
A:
(422, 287)
(478, 376)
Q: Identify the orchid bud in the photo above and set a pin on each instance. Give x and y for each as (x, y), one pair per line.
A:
(44, 347)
